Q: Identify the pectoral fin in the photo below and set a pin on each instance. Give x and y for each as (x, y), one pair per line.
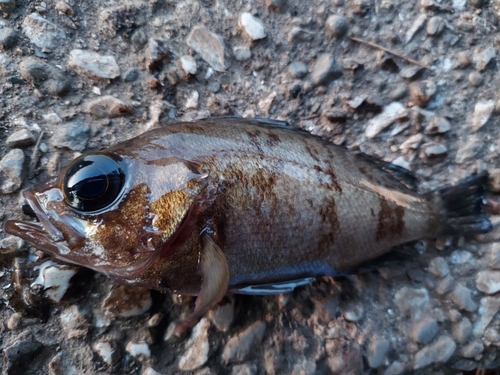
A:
(215, 281)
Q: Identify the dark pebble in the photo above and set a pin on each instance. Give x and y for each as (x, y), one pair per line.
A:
(8, 38)
(131, 75)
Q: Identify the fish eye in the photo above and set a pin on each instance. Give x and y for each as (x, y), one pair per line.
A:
(93, 182)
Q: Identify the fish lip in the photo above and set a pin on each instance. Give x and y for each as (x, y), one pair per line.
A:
(48, 228)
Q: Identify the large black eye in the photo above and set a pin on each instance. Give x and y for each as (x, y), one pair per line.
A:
(93, 182)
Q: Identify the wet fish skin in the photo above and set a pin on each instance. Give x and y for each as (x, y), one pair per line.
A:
(226, 203)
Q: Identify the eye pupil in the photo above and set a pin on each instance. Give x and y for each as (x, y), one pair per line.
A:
(93, 182)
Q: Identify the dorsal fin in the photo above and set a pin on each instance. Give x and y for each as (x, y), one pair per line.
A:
(393, 172)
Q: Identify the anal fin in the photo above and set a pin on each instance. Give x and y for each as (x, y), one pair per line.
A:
(215, 282)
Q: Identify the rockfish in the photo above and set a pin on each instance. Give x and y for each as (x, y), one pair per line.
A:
(240, 205)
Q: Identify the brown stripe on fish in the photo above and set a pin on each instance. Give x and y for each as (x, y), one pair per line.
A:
(390, 220)
(329, 216)
(333, 183)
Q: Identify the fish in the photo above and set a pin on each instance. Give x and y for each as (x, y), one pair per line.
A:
(229, 204)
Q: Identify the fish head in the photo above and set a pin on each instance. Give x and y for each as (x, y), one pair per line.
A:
(112, 213)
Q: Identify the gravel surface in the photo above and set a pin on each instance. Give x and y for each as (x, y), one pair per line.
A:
(85, 74)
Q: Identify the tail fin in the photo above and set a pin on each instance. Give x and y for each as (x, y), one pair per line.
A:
(463, 205)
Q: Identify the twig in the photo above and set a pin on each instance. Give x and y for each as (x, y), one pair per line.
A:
(374, 45)
(35, 156)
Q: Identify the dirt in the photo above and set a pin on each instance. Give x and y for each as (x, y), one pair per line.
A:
(439, 63)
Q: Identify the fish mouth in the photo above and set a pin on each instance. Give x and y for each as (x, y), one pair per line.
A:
(43, 234)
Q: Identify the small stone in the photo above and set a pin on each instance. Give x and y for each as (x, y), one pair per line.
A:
(11, 169)
(242, 52)
(64, 8)
(298, 35)
(438, 125)
(10, 244)
(421, 92)
(54, 278)
(41, 32)
(462, 330)
(7, 68)
(14, 322)
(324, 70)
(297, 69)
(266, 103)
(337, 25)
(494, 181)
(20, 138)
(376, 351)
(494, 234)
(435, 26)
(52, 118)
(431, 150)
(155, 320)
(326, 309)
(188, 65)
(93, 65)
(410, 72)
(472, 349)
(223, 315)
(354, 314)
(44, 76)
(252, 26)
(74, 323)
(8, 38)
(482, 113)
(439, 267)
(126, 301)
(152, 371)
(412, 302)
(475, 79)
(131, 75)
(107, 107)
(463, 59)
(395, 368)
(424, 330)
(157, 51)
(17, 353)
(73, 136)
(462, 298)
(239, 347)
(209, 46)
(469, 150)
(398, 93)
(415, 27)
(192, 100)
(7, 6)
(139, 38)
(108, 351)
(390, 114)
(438, 352)
(445, 285)
(138, 350)
(244, 369)
(113, 18)
(488, 281)
(276, 4)
(483, 58)
(488, 307)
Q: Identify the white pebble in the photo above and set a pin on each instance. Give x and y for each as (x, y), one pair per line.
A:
(137, 350)
(188, 64)
(192, 100)
(253, 26)
(55, 279)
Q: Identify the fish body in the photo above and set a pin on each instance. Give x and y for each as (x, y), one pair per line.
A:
(234, 204)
